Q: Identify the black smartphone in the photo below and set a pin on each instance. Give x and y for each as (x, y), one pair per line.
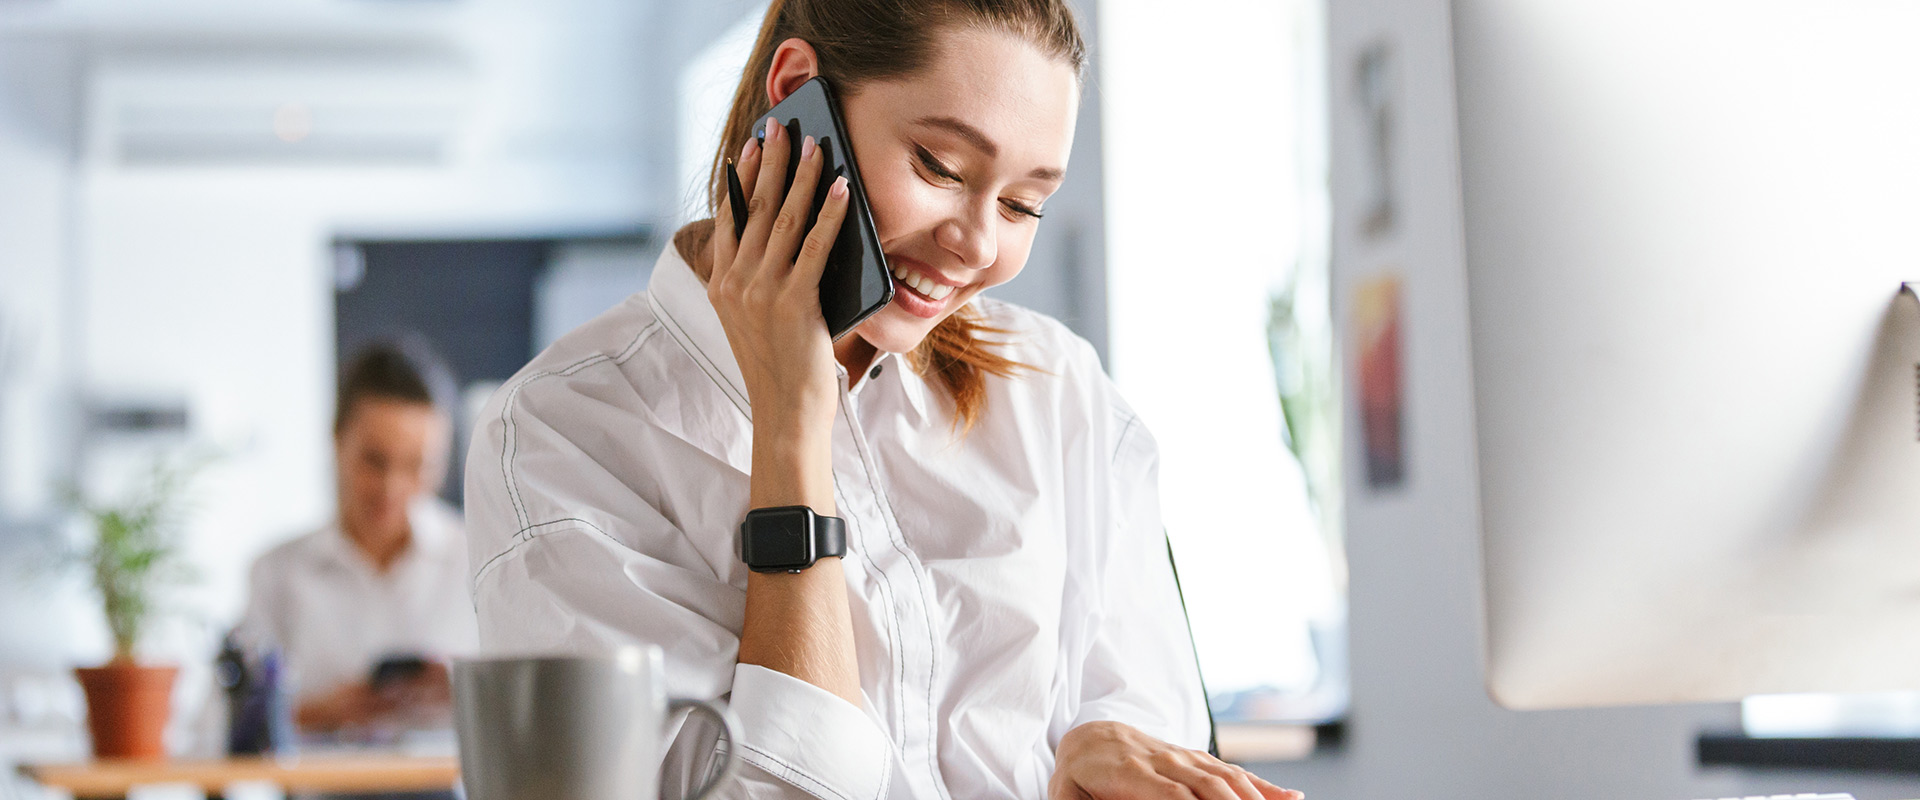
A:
(394, 670)
(857, 282)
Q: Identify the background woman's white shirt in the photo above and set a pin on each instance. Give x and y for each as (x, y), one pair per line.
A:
(333, 616)
(1005, 586)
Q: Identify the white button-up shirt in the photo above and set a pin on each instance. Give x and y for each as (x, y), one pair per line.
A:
(1006, 586)
(334, 616)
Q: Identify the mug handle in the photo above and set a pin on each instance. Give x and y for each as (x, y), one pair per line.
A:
(729, 725)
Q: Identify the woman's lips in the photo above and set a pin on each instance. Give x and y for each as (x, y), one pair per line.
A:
(918, 294)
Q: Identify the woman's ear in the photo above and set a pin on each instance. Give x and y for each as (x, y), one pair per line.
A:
(794, 63)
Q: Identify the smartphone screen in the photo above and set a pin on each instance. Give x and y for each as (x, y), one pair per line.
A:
(857, 282)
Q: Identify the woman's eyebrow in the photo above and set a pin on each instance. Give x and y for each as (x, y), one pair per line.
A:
(973, 135)
(983, 143)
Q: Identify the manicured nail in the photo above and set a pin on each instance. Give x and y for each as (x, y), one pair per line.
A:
(747, 150)
(839, 189)
(806, 148)
(773, 128)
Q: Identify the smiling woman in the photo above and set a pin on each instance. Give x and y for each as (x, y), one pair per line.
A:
(972, 134)
(981, 603)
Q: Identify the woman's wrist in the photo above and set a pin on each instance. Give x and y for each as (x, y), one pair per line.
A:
(793, 470)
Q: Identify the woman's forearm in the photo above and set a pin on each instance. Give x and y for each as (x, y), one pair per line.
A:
(799, 623)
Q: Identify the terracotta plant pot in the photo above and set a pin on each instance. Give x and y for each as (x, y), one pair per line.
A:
(127, 708)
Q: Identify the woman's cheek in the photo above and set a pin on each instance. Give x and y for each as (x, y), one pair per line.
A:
(1015, 244)
(894, 204)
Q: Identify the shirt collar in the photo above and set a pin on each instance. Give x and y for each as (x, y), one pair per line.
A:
(911, 384)
(680, 299)
(427, 522)
(427, 535)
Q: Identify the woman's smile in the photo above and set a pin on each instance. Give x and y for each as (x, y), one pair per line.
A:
(922, 291)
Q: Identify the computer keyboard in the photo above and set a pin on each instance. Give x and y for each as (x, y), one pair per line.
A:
(1841, 796)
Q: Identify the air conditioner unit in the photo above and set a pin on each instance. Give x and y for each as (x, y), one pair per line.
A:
(263, 109)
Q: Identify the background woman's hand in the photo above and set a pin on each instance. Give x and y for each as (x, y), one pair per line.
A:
(1113, 761)
(348, 705)
(766, 286)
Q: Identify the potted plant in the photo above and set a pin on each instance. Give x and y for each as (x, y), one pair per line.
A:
(133, 557)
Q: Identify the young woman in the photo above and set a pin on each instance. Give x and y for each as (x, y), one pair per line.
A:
(384, 579)
(1002, 621)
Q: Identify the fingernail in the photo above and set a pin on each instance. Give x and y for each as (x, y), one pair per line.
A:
(806, 148)
(747, 149)
(773, 128)
(839, 189)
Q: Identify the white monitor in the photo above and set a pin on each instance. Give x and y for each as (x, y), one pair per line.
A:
(1697, 380)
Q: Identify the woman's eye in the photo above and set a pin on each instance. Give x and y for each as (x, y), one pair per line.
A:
(1016, 210)
(933, 166)
(1021, 210)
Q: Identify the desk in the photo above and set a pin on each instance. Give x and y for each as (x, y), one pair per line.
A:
(331, 773)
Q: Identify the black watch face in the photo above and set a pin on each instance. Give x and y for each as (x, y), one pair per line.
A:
(779, 540)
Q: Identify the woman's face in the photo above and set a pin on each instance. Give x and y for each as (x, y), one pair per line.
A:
(388, 453)
(958, 161)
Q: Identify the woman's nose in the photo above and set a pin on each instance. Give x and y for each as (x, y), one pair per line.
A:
(970, 236)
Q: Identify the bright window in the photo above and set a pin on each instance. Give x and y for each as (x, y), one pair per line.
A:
(1216, 207)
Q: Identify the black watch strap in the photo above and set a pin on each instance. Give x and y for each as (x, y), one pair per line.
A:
(829, 536)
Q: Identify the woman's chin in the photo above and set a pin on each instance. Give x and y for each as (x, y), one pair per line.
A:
(894, 331)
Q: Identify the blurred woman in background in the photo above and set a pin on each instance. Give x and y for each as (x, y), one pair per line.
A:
(366, 610)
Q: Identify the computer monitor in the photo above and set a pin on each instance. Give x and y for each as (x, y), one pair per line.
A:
(1696, 375)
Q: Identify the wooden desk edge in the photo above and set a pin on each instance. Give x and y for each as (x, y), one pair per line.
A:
(345, 773)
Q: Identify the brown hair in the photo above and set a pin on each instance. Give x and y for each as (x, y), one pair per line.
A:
(406, 371)
(856, 41)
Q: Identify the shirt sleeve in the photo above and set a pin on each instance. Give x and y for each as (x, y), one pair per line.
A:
(569, 560)
(1140, 667)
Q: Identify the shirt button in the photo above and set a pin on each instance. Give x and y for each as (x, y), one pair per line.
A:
(875, 373)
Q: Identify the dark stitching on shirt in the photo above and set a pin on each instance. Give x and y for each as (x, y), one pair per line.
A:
(899, 545)
(899, 665)
(791, 772)
(518, 542)
(886, 587)
(700, 358)
(528, 534)
(510, 441)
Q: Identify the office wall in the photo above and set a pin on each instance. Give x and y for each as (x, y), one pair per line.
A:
(1422, 725)
(38, 125)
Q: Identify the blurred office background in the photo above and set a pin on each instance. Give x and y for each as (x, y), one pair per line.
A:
(206, 204)
(205, 207)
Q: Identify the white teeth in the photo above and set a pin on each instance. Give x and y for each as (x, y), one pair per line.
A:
(923, 284)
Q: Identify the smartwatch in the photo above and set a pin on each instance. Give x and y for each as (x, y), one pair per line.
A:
(789, 538)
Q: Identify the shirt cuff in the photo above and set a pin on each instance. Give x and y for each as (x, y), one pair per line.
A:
(808, 736)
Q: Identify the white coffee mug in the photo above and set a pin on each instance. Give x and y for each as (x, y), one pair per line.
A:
(571, 728)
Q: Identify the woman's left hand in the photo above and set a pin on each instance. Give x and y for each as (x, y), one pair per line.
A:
(1113, 761)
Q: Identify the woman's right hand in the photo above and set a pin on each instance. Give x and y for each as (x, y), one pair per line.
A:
(765, 287)
(1114, 761)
